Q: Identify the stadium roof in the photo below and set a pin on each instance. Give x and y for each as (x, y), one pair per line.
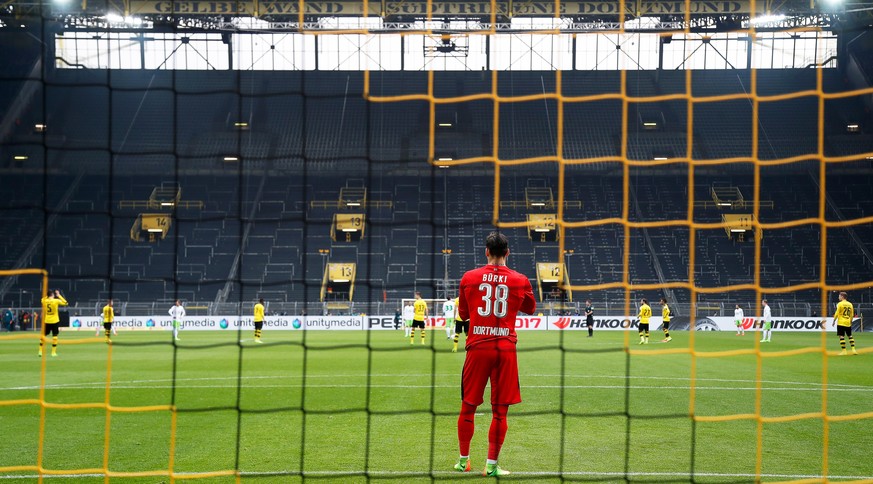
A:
(580, 15)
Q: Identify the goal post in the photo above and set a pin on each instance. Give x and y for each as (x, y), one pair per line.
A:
(435, 317)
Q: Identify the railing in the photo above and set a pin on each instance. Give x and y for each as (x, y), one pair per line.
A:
(339, 204)
(158, 205)
(734, 205)
(524, 204)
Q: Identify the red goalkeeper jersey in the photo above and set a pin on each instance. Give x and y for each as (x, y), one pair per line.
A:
(491, 297)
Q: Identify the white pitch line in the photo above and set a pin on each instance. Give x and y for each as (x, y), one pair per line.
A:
(372, 473)
(179, 381)
(572, 387)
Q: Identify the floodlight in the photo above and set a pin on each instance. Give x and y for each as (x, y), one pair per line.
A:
(766, 19)
(660, 158)
(231, 158)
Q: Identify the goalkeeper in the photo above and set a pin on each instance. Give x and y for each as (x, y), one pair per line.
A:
(491, 297)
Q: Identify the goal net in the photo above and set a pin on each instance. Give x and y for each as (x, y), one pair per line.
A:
(436, 316)
(328, 157)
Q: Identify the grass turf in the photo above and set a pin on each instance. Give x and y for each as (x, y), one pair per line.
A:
(351, 406)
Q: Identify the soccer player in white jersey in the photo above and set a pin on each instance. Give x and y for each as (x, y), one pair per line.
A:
(767, 322)
(738, 318)
(449, 315)
(178, 313)
(408, 314)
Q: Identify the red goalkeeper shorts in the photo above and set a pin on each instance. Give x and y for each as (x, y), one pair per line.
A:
(494, 360)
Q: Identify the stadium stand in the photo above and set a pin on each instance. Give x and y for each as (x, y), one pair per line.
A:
(403, 250)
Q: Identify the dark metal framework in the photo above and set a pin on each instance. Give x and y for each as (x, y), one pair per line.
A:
(406, 16)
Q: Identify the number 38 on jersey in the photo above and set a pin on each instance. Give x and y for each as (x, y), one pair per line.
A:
(493, 300)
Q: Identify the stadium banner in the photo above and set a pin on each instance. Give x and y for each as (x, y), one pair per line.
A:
(522, 323)
(680, 323)
(381, 323)
(538, 323)
(798, 323)
(229, 323)
(605, 323)
(377, 323)
(475, 8)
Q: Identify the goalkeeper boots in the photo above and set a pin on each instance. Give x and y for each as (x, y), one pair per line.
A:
(854, 352)
(463, 464)
(843, 353)
(494, 470)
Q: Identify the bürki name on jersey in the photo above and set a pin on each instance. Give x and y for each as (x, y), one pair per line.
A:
(490, 331)
(488, 277)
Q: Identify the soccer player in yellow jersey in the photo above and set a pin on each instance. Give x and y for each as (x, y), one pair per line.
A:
(645, 315)
(843, 320)
(50, 305)
(418, 318)
(108, 318)
(665, 315)
(459, 327)
(259, 320)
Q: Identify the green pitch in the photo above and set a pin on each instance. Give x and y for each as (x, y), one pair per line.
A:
(334, 405)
